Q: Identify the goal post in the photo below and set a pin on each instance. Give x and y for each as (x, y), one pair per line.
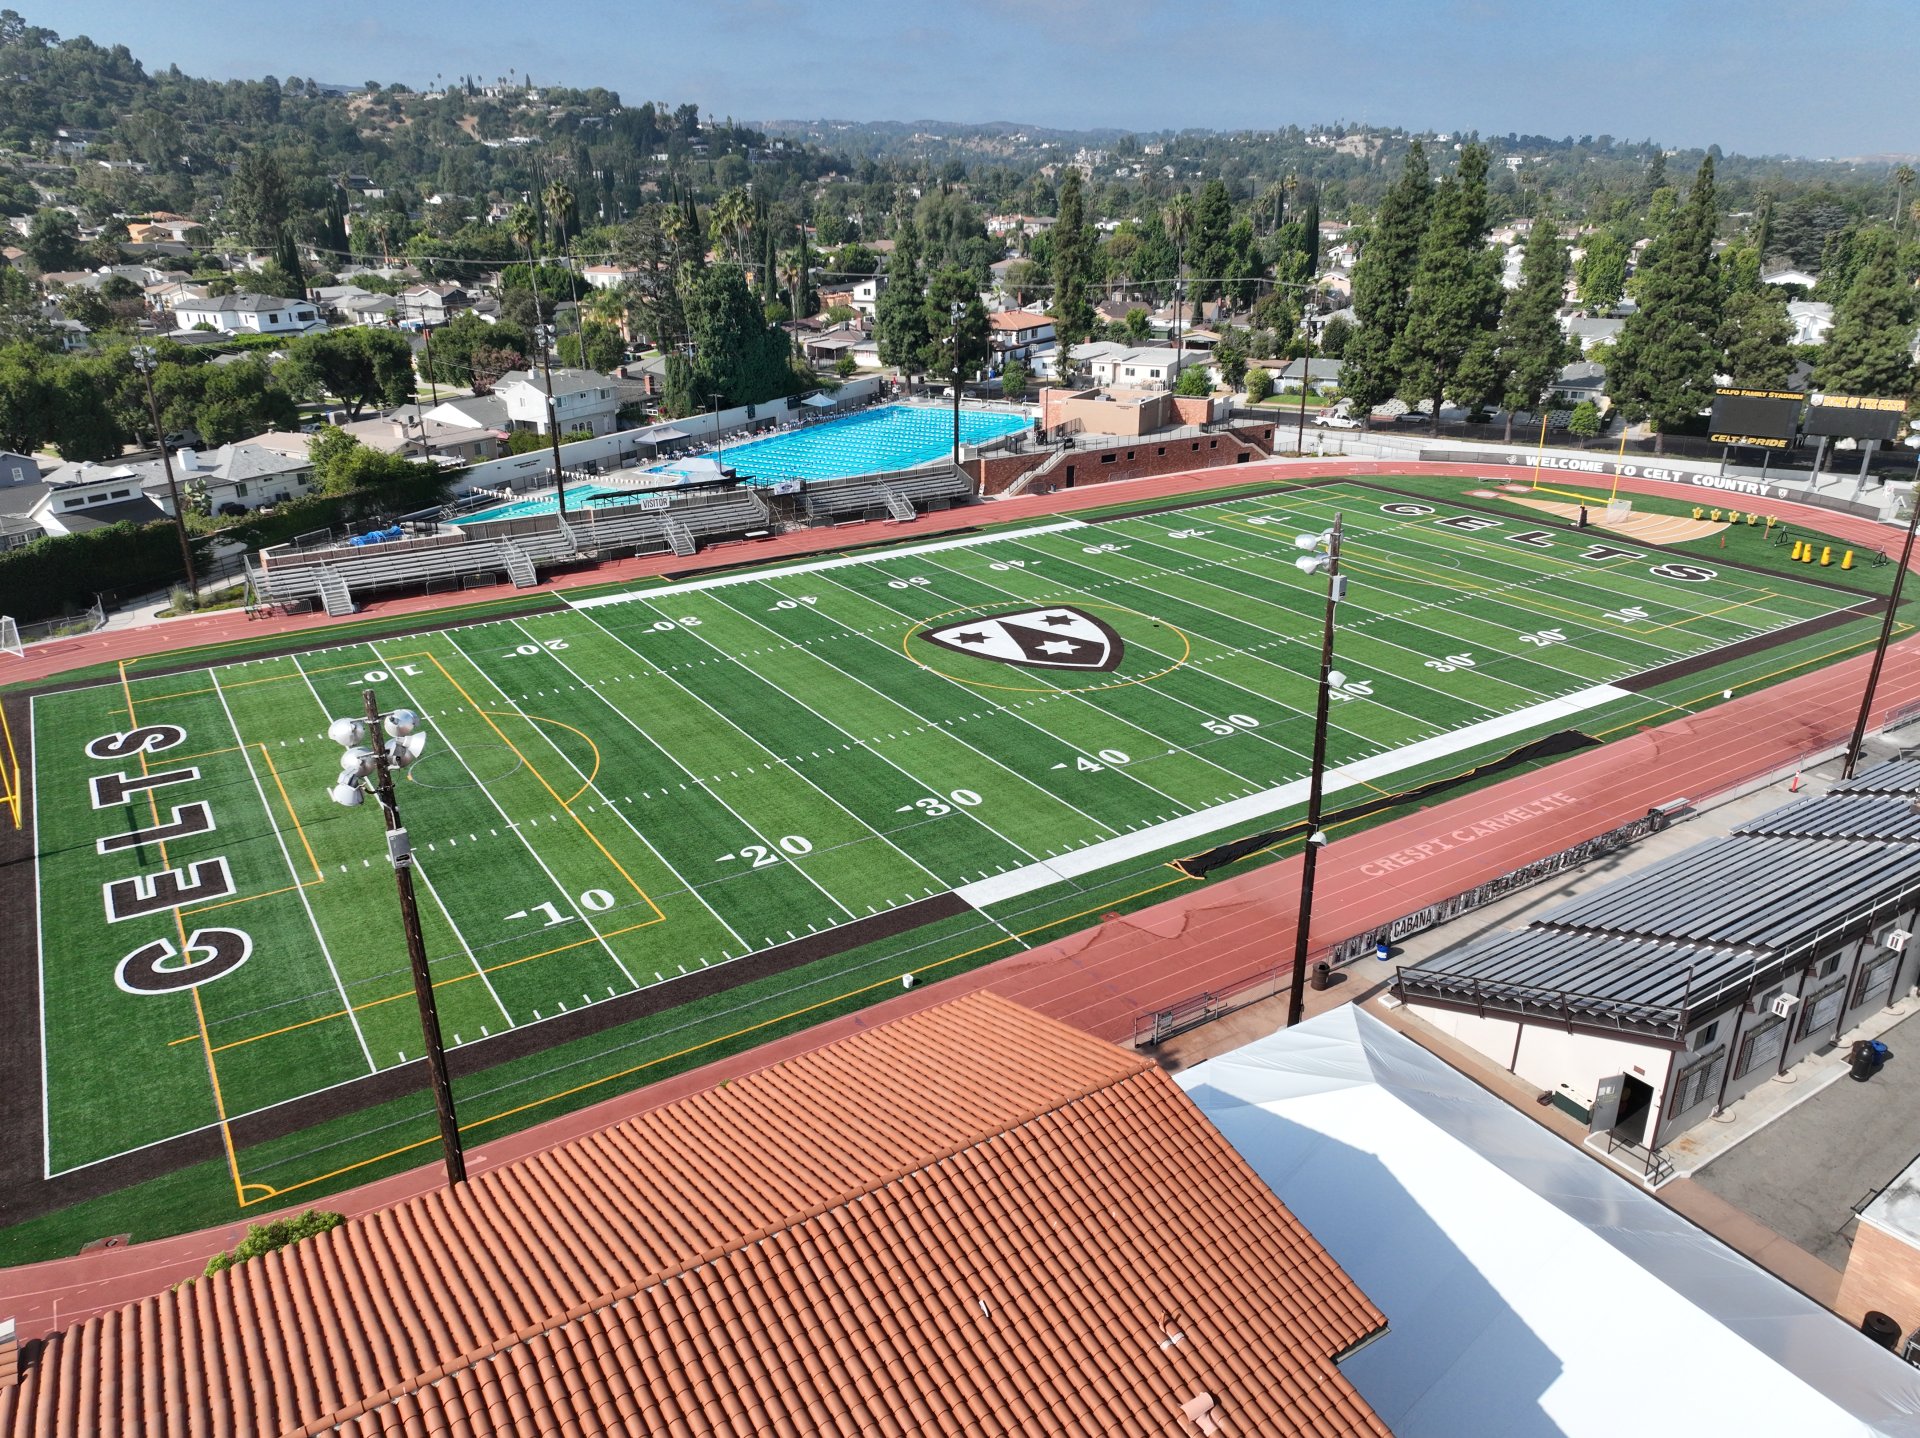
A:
(10, 637)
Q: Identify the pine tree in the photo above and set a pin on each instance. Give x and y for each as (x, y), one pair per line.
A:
(1664, 362)
(1380, 281)
(1868, 352)
(1454, 298)
(1212, 219)
(1073, 317)
(1756, 336)
(1532, 346)
(288, 257)
(899, 324)
(1310, 227)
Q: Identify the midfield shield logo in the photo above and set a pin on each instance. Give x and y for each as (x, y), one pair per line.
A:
(1058, 638)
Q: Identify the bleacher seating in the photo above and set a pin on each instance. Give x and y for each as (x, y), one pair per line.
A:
(514, 548)
(834, 499)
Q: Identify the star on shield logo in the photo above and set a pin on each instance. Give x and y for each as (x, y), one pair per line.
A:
(1058, 638)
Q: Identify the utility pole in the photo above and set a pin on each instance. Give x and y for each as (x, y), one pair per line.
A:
(145, 357)
(956, 312)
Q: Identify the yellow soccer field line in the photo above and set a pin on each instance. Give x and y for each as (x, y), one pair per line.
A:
(250, 898)
(219, 1101)
(319, 876)
(12, 794)
(408, 993)
(891, 981)
(542, 719)
(553, 793)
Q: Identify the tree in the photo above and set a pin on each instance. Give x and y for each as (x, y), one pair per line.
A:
(358, 366)
(288, 257)
(1756, 338)
(956, 350)
(1868, 351)
(558, 198)
(1013, 378)
(25, 398)
(900, 318)
(737, 354)
(1532, 346)
(1137, 326)
(343, 465)
(1179, 223)
(1380, 284)
(1334, 336)
(1073, 317)
(1230, 358)
(729, 221)
(259, 198)
(845, 366)
(84, 422)
(1212, 219)
(1602, 272)
(1902, 182)
(1194, 382)
(1259, 384)
(1454, 299)
(597, 346)
(1664, 361)
(53, 241)
(457, 343)
(1585, 420)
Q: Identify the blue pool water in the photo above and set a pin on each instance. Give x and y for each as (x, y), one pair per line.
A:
(893, 436)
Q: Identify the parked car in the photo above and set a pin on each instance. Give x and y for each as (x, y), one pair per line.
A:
(182, 438)
(1334, 419)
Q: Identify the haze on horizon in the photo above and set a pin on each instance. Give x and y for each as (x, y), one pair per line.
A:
(1758, 77)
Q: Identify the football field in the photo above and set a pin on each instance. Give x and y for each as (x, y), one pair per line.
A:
(647, 793)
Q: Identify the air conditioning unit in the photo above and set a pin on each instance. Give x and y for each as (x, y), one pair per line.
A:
(1784, 1005)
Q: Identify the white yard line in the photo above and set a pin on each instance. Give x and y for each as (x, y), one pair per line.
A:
(300, 887)
(447, 914)
(572, 900)
(1237, 812)
(817, 566)
(40, 943)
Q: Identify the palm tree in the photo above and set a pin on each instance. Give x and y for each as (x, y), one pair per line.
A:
(1179, 219)
(732, 215)
(1902, 182)
(558, 198)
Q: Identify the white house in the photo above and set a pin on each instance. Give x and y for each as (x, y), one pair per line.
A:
(1812, 321)
(1016, 335)
(248, 315)
(607, 277)
(1129, 366)
(866, 294)
(583, 399)
(1792, 277)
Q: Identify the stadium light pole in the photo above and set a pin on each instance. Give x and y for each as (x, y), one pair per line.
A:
(145, 358)
(713, 407)
(1859, 739)
(1322, 557)
(956, 312)
(370, 765)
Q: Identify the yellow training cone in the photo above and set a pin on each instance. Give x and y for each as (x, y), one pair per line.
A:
(1846, 560)
(1826, 554)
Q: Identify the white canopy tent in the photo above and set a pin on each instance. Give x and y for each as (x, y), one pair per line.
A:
(1529, 1291)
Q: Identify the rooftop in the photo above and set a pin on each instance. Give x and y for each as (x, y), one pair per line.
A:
(972, 1220)
(240, 304)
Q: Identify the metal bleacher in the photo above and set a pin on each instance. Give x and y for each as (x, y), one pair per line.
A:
(516, 549)
(898, 496)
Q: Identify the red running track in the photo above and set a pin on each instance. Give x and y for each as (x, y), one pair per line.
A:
(1215, 935)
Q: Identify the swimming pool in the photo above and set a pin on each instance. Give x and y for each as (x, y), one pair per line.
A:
(888, 437)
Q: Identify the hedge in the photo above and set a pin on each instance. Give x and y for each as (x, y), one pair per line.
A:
(60, 574)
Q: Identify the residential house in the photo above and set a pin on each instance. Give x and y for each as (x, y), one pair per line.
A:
(866, 294)
(1016, 335)
(430, 304)
(1812, 321)
(1122, 366)
(249, 315)
(1287, 373)
(475, 411)
(73, 498)
(424, 437)
(1587, 331)
(607, 277)
(165, 296)
(826, 348)
(164, 226)
(1581, 381)
(1791, 276)
(1003, 226)
(583, 399)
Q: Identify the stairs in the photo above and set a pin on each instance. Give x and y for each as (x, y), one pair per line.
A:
(679, 537)
(519, 567)
(335, 598)
(900, 507)
(566, 533)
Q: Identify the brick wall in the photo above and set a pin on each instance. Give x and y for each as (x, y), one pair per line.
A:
(1126, 459)
(1883, 1275)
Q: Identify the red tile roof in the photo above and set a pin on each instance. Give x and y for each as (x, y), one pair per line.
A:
(974, 1220)
(1017, 320)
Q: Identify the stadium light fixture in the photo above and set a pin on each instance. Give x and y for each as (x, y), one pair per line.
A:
(1859, 739)
(366, 766)
(1322, 556)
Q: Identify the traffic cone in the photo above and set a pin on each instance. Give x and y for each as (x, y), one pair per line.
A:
(1794, 787)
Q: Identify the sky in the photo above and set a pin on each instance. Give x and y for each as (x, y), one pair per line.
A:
(1753, 76)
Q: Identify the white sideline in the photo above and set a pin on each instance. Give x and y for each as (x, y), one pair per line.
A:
(757, 576)
(1016, 882)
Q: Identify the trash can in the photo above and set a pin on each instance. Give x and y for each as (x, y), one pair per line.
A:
(1383, 951)
(1880, 1328)
(1322, 974)
(1864, 1059)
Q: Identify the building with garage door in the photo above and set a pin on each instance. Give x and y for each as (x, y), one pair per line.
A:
(1648, 1005)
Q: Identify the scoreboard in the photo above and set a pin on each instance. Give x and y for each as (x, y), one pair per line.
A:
(1767, 418)
(1856, 416)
